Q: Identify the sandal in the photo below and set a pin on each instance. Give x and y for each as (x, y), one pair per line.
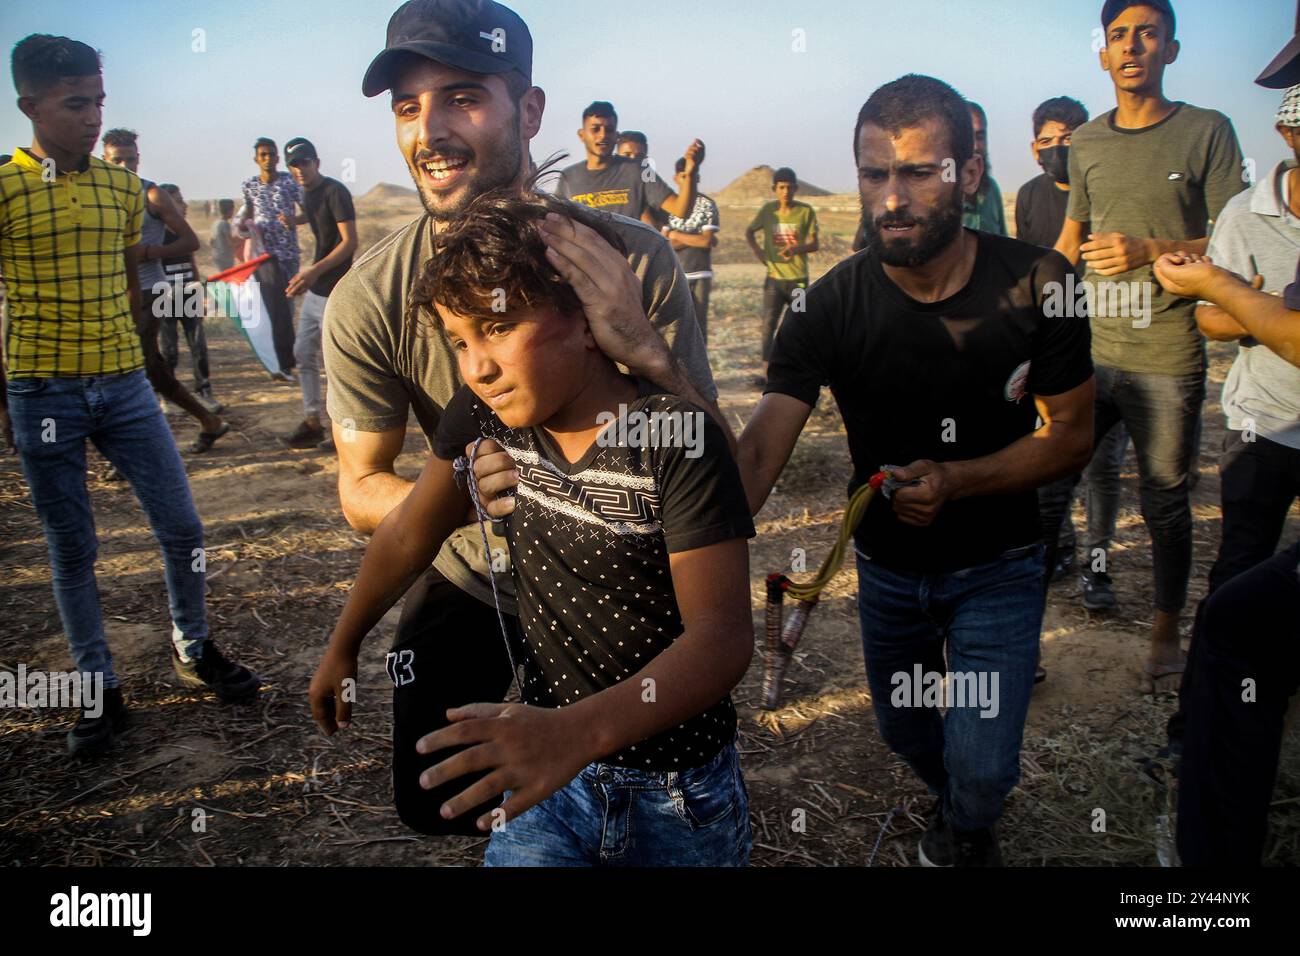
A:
(1155, 672)
(207, 439)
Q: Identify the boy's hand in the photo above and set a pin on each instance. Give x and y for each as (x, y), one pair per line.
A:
(609, 291)
(495, 472)
(530, 751)
(330, 706)
(920, 504)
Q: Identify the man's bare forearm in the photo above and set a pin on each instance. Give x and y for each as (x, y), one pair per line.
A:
(1053, 452)
(680, 204)
(1264, 316)
(367, 501)
(1217, 325)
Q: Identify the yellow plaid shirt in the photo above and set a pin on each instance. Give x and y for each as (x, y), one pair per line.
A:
(62, 245)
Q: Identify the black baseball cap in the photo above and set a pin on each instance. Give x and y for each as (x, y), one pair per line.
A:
(1284, 72)
(298, 150)
(478, 36)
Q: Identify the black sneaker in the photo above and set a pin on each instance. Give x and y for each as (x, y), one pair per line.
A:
(92, 736)
(305, 436)
(935, 846)
(1064, 566)
(976, 847)
(1098, 592)
(231, 682)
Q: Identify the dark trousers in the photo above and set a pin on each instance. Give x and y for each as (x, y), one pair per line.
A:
(1258, 482)
(197, 342)
(448, 652)
(1160, 412)
(1247, 666)
(154, 308)
(777, 295)
(700, 289)
(271, 275)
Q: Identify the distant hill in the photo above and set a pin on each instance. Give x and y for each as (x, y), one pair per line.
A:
(389, 191)
(755, 187)
(389, 195)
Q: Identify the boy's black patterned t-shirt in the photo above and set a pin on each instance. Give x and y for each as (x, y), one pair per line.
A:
(590, 543)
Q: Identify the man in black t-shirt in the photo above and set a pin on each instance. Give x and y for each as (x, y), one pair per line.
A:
(328, 208)
(943, 348)
(613, 183)
(1041, 202)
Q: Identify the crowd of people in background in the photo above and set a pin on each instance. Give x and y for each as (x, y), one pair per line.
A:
(964, 366)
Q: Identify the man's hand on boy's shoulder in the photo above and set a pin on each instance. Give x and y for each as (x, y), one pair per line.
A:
(530, 751)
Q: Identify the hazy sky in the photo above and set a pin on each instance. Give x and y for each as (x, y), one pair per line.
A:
(723, 70)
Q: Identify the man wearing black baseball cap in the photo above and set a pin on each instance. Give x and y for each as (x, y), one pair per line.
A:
(328, 207)
(459, 75)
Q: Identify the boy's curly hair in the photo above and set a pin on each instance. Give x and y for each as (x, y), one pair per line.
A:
(493, 254)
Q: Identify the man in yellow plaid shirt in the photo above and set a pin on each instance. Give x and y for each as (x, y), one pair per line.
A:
(69, 235)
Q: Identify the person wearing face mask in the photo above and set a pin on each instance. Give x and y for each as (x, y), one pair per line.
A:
(1041, 202)
(1039, 215)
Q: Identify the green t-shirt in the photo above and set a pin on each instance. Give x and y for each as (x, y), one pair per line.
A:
(1166, 181)
(785, 229)
(985, 212)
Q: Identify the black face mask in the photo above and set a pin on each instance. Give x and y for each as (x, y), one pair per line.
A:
(1055, 161)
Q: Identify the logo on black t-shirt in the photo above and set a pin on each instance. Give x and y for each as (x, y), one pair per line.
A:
(1015, 387)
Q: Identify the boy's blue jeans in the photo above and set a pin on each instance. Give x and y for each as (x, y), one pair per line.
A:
(52, 418)
(615, 816)
(988, 617)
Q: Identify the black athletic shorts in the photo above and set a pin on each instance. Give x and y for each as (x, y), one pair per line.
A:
(449, 651)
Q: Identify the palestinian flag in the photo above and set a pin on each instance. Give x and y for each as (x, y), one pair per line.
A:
(235, 294)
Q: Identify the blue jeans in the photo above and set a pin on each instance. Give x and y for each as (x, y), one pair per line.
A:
(52, 418)
(614, 816)
(988, 619)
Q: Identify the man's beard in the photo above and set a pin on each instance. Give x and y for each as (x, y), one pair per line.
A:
(937, 230)
(500, 165)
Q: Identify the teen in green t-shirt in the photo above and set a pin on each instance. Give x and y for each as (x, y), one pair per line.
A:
(789, 233)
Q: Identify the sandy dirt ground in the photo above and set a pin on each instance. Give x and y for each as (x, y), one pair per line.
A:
(195, 782)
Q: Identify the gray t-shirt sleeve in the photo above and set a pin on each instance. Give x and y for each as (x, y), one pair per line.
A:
(657, 192)
(562, 187)
(671, 310)
(365, 391)
(1080, 208)
(1224, 166)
